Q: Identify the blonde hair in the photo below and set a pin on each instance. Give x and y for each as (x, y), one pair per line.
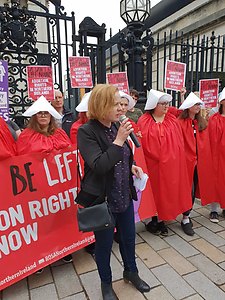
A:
(101, 101)
(33, 124)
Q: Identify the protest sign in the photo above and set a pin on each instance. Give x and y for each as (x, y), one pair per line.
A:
(40, 82)
(80, 72)
(118, 79)
(4, 102)
(208, 91)
(175, 73)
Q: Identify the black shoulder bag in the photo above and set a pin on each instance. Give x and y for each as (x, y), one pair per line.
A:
(96, 214)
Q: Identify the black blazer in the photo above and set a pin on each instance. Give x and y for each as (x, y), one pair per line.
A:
(100, 158)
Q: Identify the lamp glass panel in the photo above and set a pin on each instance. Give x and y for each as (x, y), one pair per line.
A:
(134, 10)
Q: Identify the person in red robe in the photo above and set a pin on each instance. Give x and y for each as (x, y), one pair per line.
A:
(216, 128)
(127, 103)
(172, 109)
(163, 147)
(7, 143)
(82, 108)
(42, 133)
(82, 119)
(198, 156)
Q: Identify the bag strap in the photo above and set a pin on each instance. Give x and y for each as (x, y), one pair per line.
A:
(78, 168)
(79, 178)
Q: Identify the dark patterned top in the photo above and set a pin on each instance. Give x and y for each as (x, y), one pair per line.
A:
(119, 198)
(134, 115)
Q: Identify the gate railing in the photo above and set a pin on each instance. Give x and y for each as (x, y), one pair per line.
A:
(35, 38)
(44, 38)
(204, 56)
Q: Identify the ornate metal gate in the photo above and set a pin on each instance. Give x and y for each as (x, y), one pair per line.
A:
(204, 57)
(38, 37)
(35, 38)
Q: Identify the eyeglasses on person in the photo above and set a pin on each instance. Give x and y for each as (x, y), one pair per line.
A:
(164, 103)
(43, 113)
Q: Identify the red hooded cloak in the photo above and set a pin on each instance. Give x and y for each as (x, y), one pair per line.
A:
(216, 129)
(198, 153)
(163, 147)
(31, 141)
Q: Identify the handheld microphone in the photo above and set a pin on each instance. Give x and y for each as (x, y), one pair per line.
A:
(132, 134)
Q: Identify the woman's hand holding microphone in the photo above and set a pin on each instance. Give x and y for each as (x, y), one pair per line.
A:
(123, 132)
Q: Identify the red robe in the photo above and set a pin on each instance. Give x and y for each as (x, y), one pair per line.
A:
(31, 141)
(74, 129)
(175, 111)
(165, 158)
(198, 153)
(7, 143)
(216, 129)
(73, 137)
(135, 126)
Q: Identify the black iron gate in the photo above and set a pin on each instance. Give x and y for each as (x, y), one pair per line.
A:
(35, 38)
(203, 55)
(39, 37)
(43, 38)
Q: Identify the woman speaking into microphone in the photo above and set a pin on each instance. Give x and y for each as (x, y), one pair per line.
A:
(108, 170)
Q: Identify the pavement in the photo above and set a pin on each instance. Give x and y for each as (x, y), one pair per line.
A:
(176, 267)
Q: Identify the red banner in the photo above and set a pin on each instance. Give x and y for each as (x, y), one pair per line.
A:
(208, 91)
(175, 73)
(40, 82)
(80, 72)
(38, 222)
(119, 79)
(38, 217)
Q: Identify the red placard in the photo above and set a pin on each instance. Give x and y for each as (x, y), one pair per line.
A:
(40, 82)
(80, 72)
(175, 73)
(38, 222)
(119, 79)
(208, 90)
